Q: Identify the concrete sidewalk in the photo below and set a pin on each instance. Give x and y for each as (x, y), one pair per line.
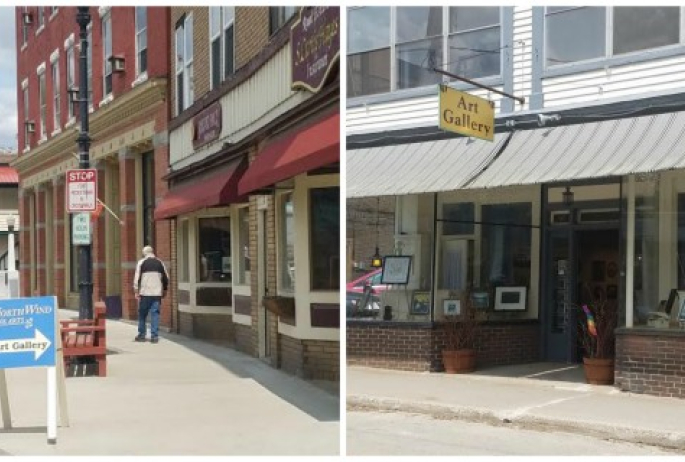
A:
(509, 400)
(178, 397)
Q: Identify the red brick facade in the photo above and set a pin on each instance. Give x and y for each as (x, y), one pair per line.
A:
(650, 361)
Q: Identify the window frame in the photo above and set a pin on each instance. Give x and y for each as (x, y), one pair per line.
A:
(56, 96)
(279, 17)
(71, 72)
(24, 29)
(505, 77)
(139, 33)
(42, 102)
(609, 60)
(281, 244)
(106, 22)
(198, 255)
(224, 39)
(27, 107)
(184, 97)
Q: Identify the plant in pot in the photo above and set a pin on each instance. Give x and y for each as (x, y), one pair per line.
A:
(459, 354)
(597, 324)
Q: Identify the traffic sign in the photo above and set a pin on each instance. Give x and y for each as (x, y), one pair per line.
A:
(80, 234)
(82, 187)
(27, 332)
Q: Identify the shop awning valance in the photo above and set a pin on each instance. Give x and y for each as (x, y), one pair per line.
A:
(591, 150)
(219, 187)
(413, 168)
(8, 175)
(312, 147)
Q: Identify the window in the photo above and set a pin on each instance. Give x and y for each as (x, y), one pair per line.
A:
(286, 250)
(27, 135)
(221, 38)
(184, 63)
(324, 238)
(462, 215)
(71, 73)
(244, 244)
(148, 178)
(41, 17)
(368, 59)
(43, 105)
(279, 15)
(464, 40)
(141, 39)
(506, 245)
(214, 249)
(183, 251)
(580, 34)
(107, 53)
(57, 123)
(24, 28)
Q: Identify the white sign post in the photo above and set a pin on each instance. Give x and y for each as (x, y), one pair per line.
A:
(82, 188)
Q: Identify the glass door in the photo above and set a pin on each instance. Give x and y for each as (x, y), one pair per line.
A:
(560, 297)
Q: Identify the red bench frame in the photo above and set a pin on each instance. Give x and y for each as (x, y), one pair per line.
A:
(86, 337)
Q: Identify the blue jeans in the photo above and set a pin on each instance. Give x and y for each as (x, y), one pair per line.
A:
(148, 305)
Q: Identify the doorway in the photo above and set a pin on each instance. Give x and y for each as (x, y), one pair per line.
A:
(583, 267)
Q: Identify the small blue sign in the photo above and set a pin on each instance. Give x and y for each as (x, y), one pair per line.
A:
(27, 332)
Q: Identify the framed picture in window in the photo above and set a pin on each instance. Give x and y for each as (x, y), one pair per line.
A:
(396, 269)
(681, 306)
(451, 307)
(420, 303)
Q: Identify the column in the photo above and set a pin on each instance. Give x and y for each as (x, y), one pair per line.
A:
(98, 230)
(129, 251)
(59, 239)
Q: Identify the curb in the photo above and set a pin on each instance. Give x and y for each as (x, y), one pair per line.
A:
(671, 441)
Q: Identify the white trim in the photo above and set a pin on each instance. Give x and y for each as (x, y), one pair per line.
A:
(25, 83)
(56, 132)
(140, 79)
(24, 46)
(70, 122)
(108, 99)
(40, 29)
(69, 41)
(242, 319)
(54, 56)
(55, 10)
(41, 68)
(192, 309)
(103, 10)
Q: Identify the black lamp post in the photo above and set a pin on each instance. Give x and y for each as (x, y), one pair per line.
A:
(83, 142)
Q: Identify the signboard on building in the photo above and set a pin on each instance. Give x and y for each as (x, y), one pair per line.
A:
(82, 187)
(315, 46)
(81, 233)
(207, 125)
(466, 114)
(27, 332)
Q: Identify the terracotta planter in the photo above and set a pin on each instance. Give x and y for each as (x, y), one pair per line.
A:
(459, 361)
(599, 371)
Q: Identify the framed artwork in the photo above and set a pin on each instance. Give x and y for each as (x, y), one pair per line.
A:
(396, 269)
(510, 299)
(420, 303)
(451, 307)
(480, 300)
(598, 271)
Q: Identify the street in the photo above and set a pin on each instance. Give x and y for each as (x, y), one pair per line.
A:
(396, 433)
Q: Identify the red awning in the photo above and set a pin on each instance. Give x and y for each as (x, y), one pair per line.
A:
(310, 148)
(220, 187)
(8, 175)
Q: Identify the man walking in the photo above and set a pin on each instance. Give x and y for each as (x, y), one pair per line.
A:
(150, 284)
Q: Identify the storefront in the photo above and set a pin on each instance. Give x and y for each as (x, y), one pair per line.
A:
(538, 222)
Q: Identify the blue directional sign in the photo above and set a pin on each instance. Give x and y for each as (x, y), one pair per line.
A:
(27, 332)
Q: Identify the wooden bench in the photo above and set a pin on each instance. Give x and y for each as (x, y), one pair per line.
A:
(86, 337)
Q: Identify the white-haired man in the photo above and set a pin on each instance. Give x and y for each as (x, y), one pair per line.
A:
(150, 284)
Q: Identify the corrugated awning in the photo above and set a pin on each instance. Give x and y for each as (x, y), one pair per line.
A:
(312, 147)
(220, 187)
(593, 150)
(8, 175)
(414, 168)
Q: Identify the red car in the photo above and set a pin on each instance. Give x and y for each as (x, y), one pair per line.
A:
(373, 278)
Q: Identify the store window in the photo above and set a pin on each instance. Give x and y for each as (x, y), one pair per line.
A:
(286, 248)
(464, 40)
(458, 219)
(324, 238)
(141, 39)
(244, 245)
(148, 179)
(574, 34)
(214, 249)
(183, 251)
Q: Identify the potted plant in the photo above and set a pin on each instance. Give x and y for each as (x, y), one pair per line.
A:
(459, 354)
(599, 341)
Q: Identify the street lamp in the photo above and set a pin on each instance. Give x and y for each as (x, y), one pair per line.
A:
(83, 143)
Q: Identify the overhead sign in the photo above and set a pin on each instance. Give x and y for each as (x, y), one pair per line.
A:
(81, 233)
(27, 332)
(207, 125)
(315, 46)
(82, 187)
(466, 114)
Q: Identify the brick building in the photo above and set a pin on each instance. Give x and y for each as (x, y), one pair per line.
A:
(254, 182)
(127, 73)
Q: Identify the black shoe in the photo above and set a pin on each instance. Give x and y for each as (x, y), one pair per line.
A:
(139, 338)
(154, 339)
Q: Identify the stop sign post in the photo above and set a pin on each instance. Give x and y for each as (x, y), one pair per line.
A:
(82, 190)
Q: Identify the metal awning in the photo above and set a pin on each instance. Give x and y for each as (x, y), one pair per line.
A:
(413, 168)
(600, 149)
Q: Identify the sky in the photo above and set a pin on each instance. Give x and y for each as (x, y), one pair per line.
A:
(8, 85)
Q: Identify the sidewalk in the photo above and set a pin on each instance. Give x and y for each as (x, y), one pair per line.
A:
(178, 397)
(508, 400)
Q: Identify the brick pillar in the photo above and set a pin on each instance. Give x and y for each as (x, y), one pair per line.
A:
(40, 240)
(129, 250)
(24, 237)
(59, 250)
(165, 241)
(98, 248)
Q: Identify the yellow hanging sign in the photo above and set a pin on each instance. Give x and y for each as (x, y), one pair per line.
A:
(466, 114)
